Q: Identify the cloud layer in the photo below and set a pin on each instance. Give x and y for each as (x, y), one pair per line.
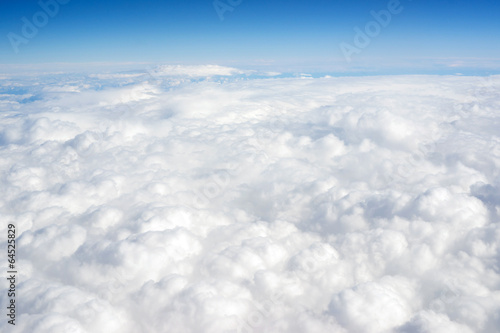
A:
(168, 201)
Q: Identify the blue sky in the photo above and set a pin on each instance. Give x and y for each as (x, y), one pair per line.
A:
(424, 35)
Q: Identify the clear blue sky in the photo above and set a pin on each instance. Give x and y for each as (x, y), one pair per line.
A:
(426, 33)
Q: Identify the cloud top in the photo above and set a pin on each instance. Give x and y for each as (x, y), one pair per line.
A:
(259, 205)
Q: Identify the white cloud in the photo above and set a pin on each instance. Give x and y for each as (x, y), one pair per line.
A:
(196, 70)
(207, 204)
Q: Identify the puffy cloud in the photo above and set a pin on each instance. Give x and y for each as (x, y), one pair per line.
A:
(374, 306)
(205, 199)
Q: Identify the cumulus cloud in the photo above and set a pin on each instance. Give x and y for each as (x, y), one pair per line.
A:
(191, 200)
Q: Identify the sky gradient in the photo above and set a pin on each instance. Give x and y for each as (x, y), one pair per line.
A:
(426, 35)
